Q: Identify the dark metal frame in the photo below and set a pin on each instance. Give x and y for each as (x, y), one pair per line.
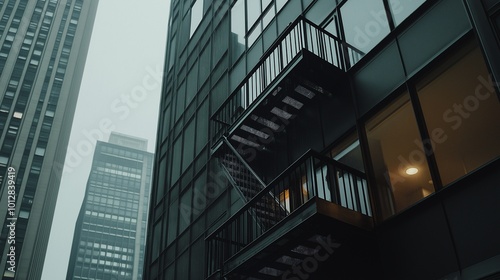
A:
(300, 35)
(302, 181)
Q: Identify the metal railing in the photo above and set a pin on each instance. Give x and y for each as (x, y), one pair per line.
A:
(300, 35)
(245, 179)
(313, 175)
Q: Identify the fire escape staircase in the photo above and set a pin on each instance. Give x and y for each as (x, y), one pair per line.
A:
(248, 184)
(292, 219)
(289, 219)
(304, 62)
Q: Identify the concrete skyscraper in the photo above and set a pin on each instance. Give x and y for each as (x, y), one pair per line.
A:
(43, 48)
(328, 139)
(110, 232)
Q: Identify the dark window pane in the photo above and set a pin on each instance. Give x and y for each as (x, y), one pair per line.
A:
(156, 241)
(202, 126)
(192, 88)
(162, 170)
(172, 222)
(189, 138)
(176, 161)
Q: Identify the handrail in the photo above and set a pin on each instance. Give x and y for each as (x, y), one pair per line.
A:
(285, 33)
(274, 45)
(242, 161)
(258, 195)
(271, 185)
(312, 175)
(300, 34)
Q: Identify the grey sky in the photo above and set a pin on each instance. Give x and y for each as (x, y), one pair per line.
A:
(121, 91)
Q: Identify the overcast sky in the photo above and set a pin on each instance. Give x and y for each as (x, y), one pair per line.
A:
(121, 90)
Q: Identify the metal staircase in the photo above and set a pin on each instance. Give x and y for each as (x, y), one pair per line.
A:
(276, 112)
(301, 45)
(285, 221)
(268, 211)
(280, 225)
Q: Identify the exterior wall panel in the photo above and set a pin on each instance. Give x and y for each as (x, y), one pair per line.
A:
(435, 31)
(378, 78)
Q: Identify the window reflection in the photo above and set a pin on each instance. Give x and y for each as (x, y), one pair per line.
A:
(401, 9)
(237, 29)
(253, 12)
(348, 152)
(365, 23)
(171, 57)
(331, 26)
(280, 4)
(196, 16)
(352, 191)
(258, 15)
(399, 159)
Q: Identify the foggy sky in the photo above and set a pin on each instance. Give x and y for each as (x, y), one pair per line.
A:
(120, 92)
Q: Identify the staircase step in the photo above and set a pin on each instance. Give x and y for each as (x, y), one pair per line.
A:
(296, 255)
(294, 103)
(266, 122)
(256, 132)
(263, 276)
(281, 265)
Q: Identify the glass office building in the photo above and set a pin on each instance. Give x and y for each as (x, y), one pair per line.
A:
(43, 47)
(323, 139)
(110, 232)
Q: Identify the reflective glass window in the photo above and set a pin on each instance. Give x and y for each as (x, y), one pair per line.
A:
(189, 138)
(162, 170)
(202, 127)
(253, 11)
(4, 160)
(176, 161)
(196, 16)
(461, 110)
(40, 151)
(237, 29)
(401, 9)
(156, 241)
(365, 23)
(172, 222)
(185, 210)
(399, 160)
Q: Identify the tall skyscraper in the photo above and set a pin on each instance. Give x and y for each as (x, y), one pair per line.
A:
(43, 47)
(110, 232)
(328, 139)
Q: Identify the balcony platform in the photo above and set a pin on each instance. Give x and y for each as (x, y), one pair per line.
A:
(302, 235)
(308, 79)
(303, 63)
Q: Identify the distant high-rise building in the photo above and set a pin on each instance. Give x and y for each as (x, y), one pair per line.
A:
(328, 139)
(110, 232)
(43, 48)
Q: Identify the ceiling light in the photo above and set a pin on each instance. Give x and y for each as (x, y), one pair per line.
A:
(411, 171)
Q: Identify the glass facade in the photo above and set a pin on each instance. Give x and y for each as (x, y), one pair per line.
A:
(242, 105)
(42, 53)
(402, 172)
(457, 115)
(110, 233)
